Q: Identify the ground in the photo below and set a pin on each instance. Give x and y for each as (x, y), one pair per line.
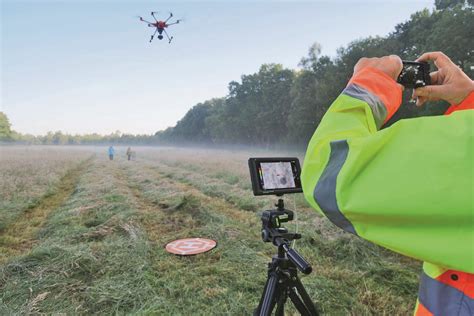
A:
(80, 234)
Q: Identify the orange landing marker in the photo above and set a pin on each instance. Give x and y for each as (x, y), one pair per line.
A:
(190, 246)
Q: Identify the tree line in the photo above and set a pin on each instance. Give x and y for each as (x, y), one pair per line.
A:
(280, 106)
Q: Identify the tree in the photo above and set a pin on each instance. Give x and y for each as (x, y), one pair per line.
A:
(449, 4)
(313, 52)
(256, 109)
(192, 127)
(314, 89)
(5, 131)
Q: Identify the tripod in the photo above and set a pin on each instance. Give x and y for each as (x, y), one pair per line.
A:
(282, 280)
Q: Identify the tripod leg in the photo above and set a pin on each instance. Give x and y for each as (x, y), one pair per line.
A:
(280, 310)
(305, 301)
(299, 304)
(269, 296)
(259, 307)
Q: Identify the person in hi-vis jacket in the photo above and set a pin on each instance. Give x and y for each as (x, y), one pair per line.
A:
(408, 187)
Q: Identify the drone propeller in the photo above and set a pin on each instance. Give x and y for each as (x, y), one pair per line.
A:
(176, 22)
(150, 24)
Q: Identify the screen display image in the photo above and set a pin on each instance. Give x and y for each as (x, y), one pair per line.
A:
(276, 175)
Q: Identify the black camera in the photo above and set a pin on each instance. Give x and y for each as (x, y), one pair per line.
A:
(275, 176)
(414, 74)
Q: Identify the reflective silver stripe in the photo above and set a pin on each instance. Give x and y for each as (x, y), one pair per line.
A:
(442, 299)
(325, 192)
(378, 108)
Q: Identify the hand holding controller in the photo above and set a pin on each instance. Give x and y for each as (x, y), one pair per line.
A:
(448, 83)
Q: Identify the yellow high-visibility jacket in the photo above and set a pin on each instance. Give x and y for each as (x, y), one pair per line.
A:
(408, 187)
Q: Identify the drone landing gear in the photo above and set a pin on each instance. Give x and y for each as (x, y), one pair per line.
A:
(169, 38)
(151, 39)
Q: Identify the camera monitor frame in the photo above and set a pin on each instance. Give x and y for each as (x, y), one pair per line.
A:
(270, 176)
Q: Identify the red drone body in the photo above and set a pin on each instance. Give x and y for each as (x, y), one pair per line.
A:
(160, 26)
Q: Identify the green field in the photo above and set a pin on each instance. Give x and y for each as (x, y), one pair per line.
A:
(80, 234)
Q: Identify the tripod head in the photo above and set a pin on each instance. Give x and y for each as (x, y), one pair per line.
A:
(273, 232)
(271, 224)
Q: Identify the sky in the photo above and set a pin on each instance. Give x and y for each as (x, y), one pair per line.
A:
(88, 66)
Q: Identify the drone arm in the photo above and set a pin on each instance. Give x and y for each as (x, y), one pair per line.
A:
(153, 15)
(177, 22)
(143, 20)
(171, 15)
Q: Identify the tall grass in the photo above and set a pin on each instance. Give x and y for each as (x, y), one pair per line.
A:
(28, 174)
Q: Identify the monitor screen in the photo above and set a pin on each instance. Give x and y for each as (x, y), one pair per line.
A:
(275, 175)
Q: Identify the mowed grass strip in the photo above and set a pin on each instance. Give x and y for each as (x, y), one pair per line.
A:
(29, 173)
(19, 236)
(164, 197)
(214, 187)
(234, 187)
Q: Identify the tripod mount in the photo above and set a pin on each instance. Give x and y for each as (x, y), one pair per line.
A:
(282, 280)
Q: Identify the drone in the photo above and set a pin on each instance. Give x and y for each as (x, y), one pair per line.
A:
(160, 26)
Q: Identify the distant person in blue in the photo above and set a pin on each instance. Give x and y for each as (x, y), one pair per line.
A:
(111, 152)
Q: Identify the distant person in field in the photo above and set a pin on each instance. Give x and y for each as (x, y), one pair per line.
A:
(129, 153)
(111, 152)
(408, 187)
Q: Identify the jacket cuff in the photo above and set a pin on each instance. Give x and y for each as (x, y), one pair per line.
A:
(382, 86)
(466, 104)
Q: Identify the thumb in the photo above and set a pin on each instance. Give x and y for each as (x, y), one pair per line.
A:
(431, 92)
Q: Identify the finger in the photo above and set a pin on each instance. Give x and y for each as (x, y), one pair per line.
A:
(360, 64)
(440, 59)
(398, 64)
(435, 77)
(396, 59)
(420, 101)
(432, 92)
